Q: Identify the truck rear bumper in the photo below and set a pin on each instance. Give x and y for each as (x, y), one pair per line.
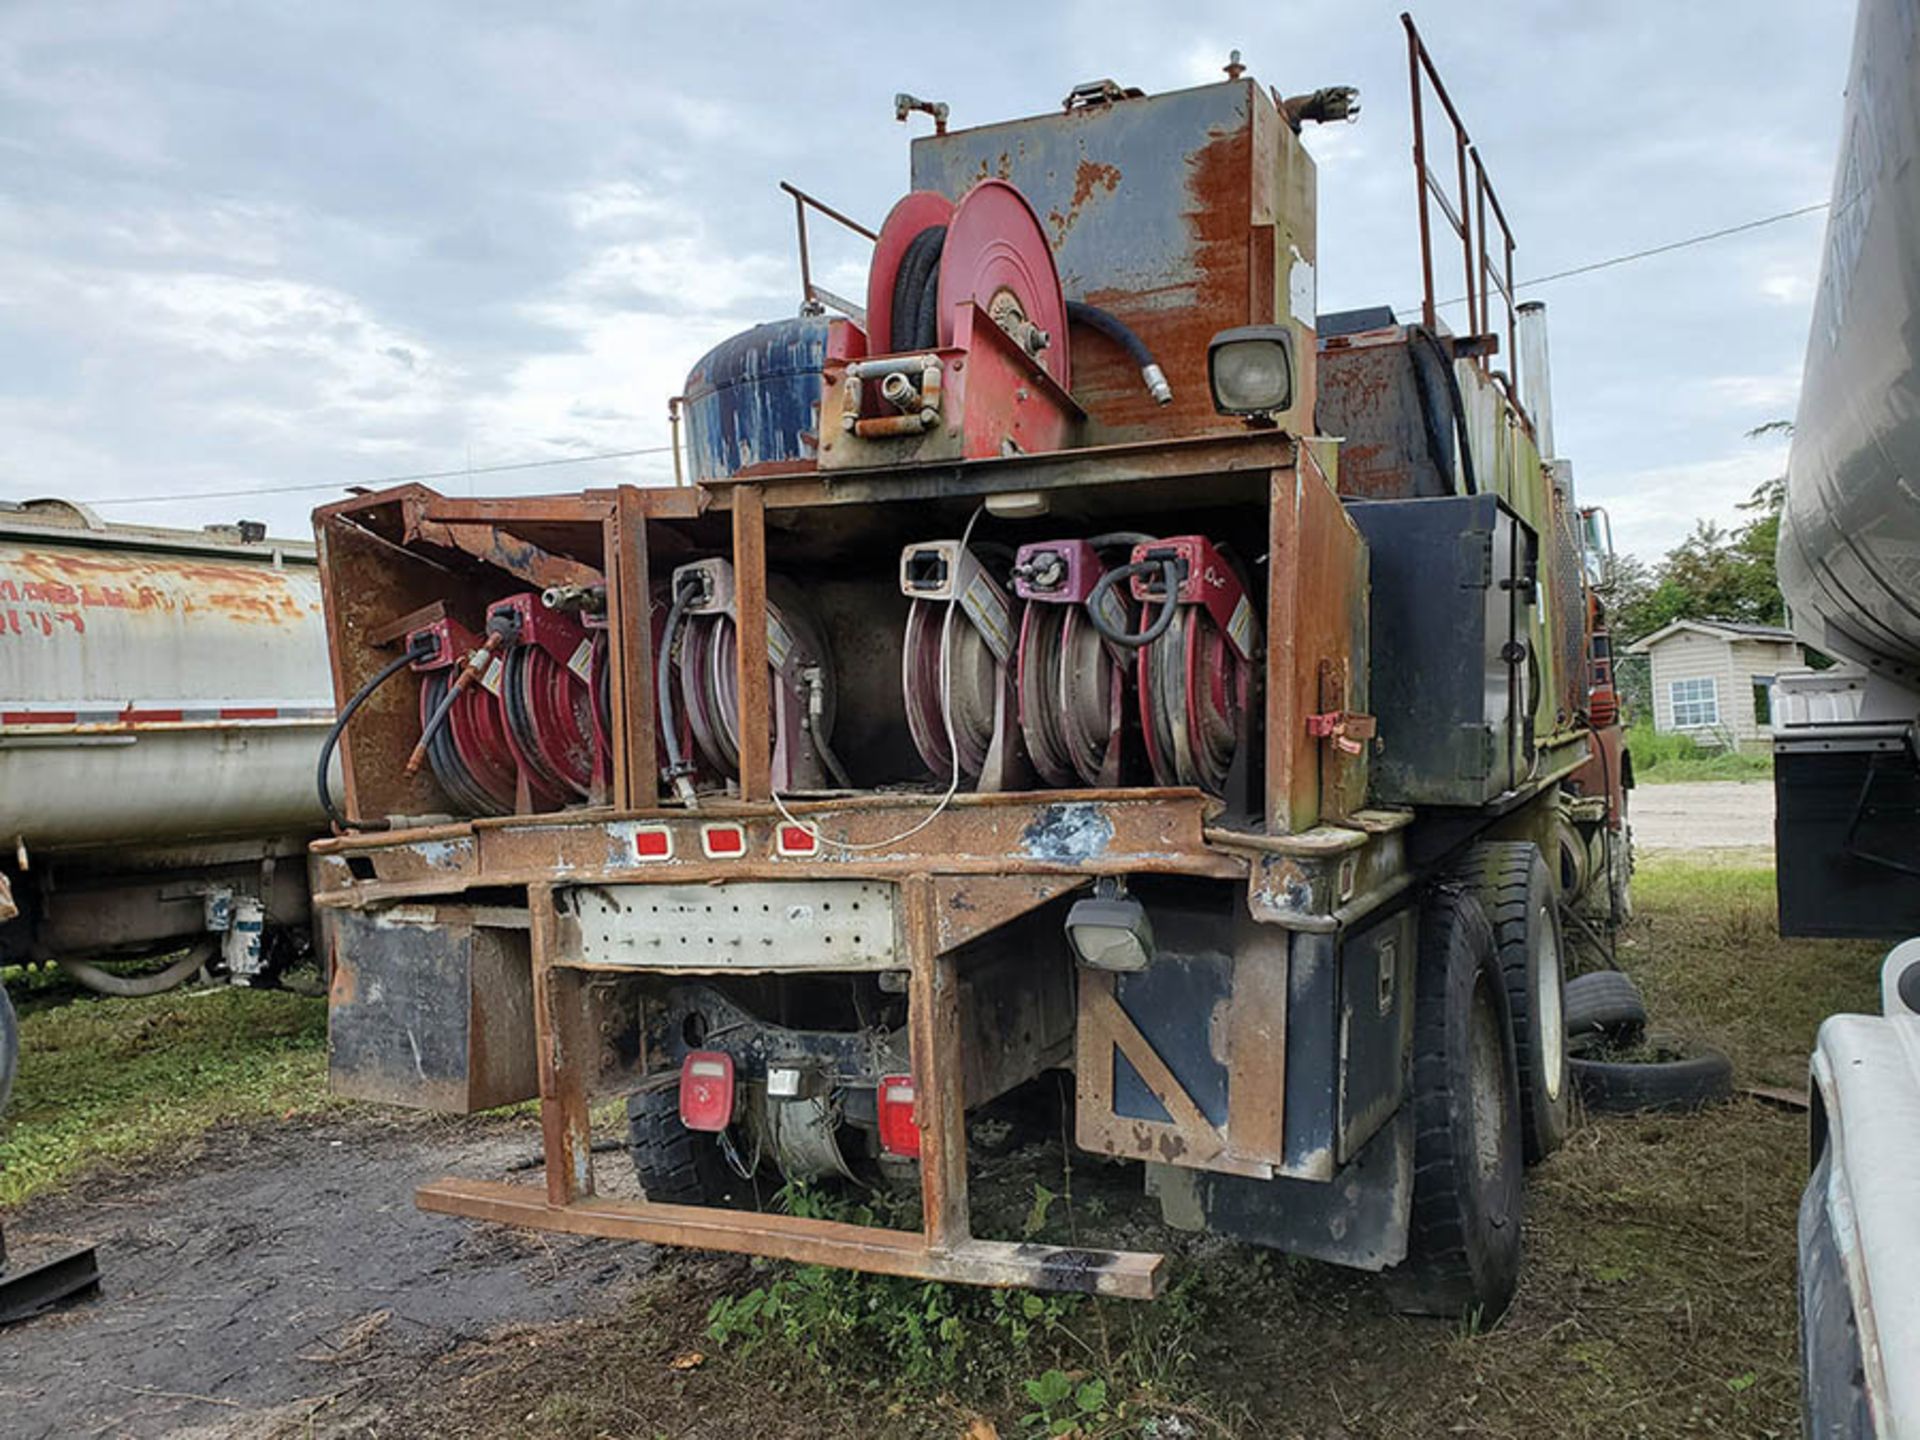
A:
(1127, 1274)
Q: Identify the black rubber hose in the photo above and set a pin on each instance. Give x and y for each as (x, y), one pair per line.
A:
(1467, 475)
(916, 284)
(1113, 327)
(1169, 578)
(417, 651)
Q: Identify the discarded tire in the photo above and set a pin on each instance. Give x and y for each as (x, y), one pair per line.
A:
(1604, 1008)
(674, 1165)
(1463, 1237)
(1672, 1080)
(1511, 879)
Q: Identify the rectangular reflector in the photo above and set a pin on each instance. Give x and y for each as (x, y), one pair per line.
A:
(706, 1090)
(655, 844)
(723, 840)
(899, 1132)
(797, 840)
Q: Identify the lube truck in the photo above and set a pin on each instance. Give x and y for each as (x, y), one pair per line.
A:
(1077, 656)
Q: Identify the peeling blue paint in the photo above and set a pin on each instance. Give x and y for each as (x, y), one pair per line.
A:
(1069, 834)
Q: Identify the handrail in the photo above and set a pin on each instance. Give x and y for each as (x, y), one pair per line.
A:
(1470, 206)
(817, 297)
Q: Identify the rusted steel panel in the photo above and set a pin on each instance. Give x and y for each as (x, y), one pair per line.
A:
(1124, 1274)
(636, 779)
(566, 1053)
(1316, 615)
(756, 682)
(1079, 834)
(428, 1008)
(933, 1023)
(973, 905)
(1148, 204)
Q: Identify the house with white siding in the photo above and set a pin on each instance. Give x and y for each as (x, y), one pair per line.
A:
(1713, 679)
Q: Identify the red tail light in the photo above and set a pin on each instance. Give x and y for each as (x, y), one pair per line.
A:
(797, 840)
(899, 1133)
(706, 1090)
(723, 841)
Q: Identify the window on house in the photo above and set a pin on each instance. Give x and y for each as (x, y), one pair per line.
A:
(1696, 703)
(1763, 699)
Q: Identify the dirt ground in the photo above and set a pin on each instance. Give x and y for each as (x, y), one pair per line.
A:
(284, 1282)
(1704, 815)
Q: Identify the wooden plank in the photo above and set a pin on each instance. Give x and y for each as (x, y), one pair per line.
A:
(561, 1040)
(1125, 1274)
(933, 1022)
(750, 610)
(636, 777)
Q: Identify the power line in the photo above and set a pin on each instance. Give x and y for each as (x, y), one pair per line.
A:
(380, 480)
(1652, 250)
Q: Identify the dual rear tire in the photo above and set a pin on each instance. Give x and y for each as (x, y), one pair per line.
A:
(1491, 1083)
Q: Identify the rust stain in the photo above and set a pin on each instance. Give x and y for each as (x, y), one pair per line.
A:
(1090, 176)
(1210, 290)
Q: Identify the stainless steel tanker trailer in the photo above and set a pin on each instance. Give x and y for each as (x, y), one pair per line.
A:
(1080, 656)
(163, 698)
(1847, 746)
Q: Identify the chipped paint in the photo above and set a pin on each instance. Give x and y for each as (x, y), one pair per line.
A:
(1071, 834)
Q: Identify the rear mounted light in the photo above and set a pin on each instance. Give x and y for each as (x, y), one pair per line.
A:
(706, 1090)
(899, 1134)
(655, 843)
(723, 842)
(796, 840)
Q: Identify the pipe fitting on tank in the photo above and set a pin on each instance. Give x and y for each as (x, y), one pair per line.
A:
(898, 391)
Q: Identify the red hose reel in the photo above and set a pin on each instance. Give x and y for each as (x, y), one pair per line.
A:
(1036, 675)
(546, 698)
(467, 749)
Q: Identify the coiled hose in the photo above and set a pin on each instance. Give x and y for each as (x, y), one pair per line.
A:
(679, 767)
(1170, 568)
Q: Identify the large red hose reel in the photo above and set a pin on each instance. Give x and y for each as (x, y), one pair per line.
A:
(1030, 677)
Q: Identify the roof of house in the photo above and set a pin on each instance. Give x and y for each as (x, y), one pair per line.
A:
(1725, 629)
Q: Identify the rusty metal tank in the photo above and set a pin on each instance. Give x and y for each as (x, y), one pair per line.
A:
(157, 687)
(1849, 552)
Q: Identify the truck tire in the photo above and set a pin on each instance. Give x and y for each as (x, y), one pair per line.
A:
(9, 1048)
(1516, 891)
(1676, 1081)
(1604, 1008)
(1463, 1236)
(674, 1165)
(1833, 1378)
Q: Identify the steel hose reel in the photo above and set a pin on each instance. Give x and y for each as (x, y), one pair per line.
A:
(957, 666)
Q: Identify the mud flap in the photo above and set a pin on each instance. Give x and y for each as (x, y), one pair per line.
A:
(1359, 1218)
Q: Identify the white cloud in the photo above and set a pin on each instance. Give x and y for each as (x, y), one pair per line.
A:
(1652, 510)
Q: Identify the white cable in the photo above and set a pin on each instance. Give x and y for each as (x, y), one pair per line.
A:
(946, 713)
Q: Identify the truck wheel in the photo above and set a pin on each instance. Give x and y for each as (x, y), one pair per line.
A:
(1463, 1237)
(9, 1048)
(674, 1165)
(1604, 1008)
(1833, 1379)
(1516, 891)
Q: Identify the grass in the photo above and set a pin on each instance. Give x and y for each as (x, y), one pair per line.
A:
(1658, 1298)
(1669, 759)
(115, 1082)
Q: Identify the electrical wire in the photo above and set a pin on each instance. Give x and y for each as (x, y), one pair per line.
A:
(379, 480)
(1649, 252)
(946, 714)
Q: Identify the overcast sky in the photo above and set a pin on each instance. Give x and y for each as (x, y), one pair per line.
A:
(263, 245)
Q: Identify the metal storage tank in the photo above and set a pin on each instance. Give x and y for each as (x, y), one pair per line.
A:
(754, 399)
(155, 685)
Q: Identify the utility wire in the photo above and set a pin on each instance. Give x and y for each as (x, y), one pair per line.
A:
(380, 480)
(1670, 246)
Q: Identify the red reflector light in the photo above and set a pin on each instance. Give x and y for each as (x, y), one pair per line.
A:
(720, 840)
(797, 840)
(899, 1134)
(706, 1090)
(653, 844)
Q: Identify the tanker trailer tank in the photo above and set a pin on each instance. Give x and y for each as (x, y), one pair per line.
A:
(163, 695)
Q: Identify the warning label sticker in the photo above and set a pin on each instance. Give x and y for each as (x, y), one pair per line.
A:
(1240, 628)
(582, 658)
(490, 677)
(779, 642)
(987, 607)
